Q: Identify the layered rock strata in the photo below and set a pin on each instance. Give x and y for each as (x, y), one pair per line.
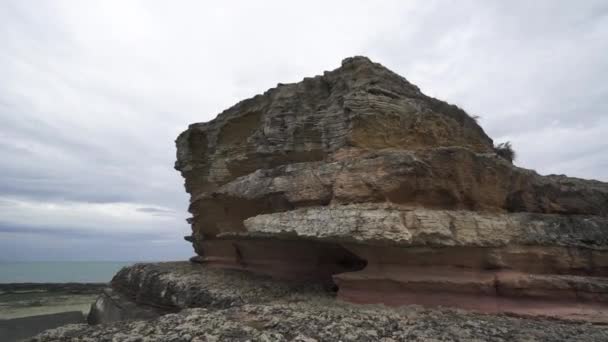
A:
(357, 178)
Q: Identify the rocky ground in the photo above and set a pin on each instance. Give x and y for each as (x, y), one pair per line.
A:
(223, 305)
(326, 320)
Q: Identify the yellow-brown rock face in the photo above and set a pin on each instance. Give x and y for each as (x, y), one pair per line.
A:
(356, 177)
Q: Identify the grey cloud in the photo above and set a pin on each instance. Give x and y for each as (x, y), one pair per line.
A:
(93, 95)
(72, 233)
(157, 211)
(36, 247)
(22, 242)
(527, 68)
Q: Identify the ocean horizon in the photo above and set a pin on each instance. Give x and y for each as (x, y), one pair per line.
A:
(60, 271)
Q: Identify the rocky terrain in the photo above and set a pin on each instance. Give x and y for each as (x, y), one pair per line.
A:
(353, 188)
(199, 303)
(322, 321)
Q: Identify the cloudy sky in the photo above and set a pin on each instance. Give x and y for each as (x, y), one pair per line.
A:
(93, 94)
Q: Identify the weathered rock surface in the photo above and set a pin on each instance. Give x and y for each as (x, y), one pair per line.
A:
(361, 104)
(146, 291)
(322, 321)
(387, 224)
(443, 178)
(223, 305)
(357, 178)
(112, 306)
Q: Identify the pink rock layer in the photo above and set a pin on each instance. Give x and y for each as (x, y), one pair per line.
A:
(527, 280)
(391, 295)
(487, 292)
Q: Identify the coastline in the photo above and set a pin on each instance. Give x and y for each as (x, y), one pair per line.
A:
(69, 287)
(18, 300)
(30, 308)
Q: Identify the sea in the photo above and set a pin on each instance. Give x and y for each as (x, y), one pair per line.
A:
(59, 271)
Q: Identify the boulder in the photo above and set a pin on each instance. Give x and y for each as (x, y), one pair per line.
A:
(358, 179)
(148, 291)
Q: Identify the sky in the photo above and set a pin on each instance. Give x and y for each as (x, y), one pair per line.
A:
(94, 93)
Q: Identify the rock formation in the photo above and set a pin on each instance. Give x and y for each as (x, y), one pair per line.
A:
(357, 178)
(147, 291)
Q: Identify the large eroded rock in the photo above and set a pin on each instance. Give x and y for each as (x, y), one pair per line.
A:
(147, 291)
(356, 177)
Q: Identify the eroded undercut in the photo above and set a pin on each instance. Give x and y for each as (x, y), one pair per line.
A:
(529, 280)
(300, 260)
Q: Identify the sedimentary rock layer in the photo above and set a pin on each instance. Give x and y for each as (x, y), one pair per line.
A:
(564, 297)
(512, 262)
(446, 178)
(394, 225)
(361, 104)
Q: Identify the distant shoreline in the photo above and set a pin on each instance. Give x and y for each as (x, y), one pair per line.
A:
(67, 287)
(30, 308)
(50, 272)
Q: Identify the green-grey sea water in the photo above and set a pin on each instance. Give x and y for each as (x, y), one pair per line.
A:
(59, 271)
